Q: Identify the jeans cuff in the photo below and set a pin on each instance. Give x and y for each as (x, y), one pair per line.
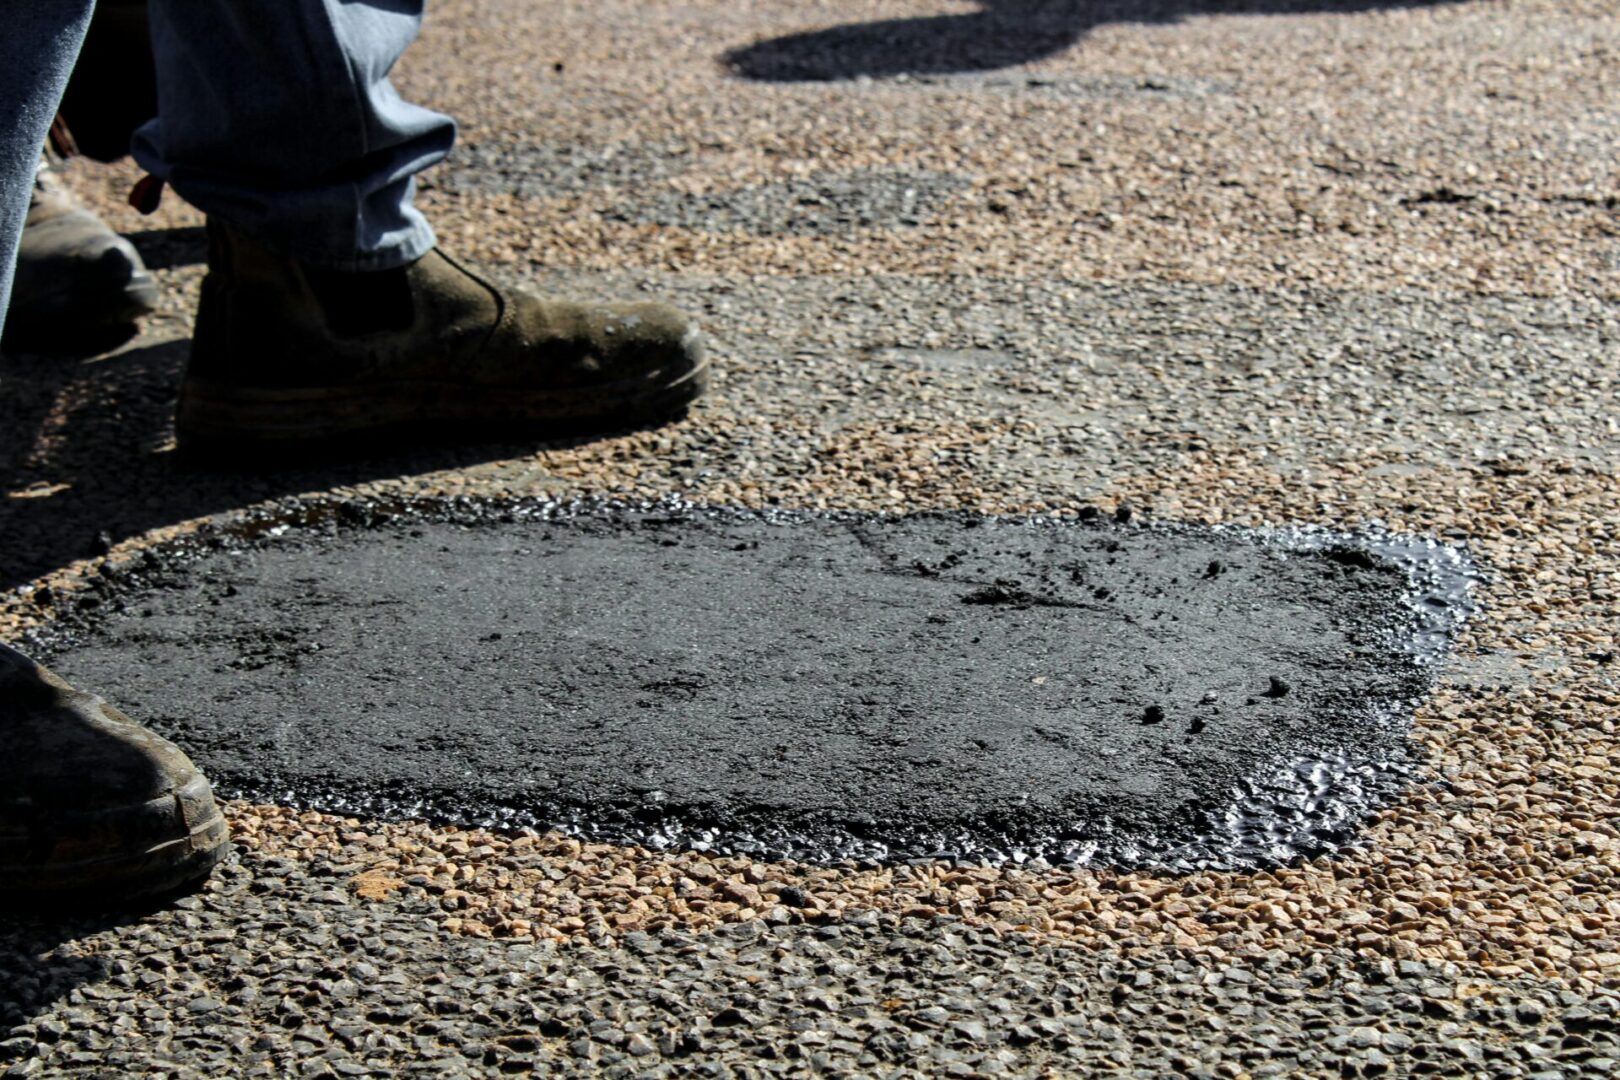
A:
(398, 251)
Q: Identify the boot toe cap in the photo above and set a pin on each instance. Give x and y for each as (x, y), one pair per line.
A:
(91, 804)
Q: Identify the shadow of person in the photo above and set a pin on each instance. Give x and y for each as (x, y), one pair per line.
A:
(39, 965)
(164, 249)
(1003, 34)
(45, 955)
(85, 459)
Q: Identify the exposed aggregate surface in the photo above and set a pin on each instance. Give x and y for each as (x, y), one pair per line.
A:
(1304, 263)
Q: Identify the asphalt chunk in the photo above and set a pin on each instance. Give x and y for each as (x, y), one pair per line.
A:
(792, 685)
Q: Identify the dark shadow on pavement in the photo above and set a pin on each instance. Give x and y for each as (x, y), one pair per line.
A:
(164, 249)
(42, 959)
(40, 965)
(1004, 34)
(85, 460)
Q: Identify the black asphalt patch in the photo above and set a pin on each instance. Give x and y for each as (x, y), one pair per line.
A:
(542, 170)
(815, 206)
(788, 684)
(823, 205)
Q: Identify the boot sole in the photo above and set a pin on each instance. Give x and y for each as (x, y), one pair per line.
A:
(111, 874)
(234, 420)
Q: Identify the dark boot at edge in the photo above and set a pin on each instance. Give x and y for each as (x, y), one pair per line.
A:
(78, 284)
(95, 810)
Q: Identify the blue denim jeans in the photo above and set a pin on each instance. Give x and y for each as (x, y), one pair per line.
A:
(278, 117)
(274, 115)
(37, 47)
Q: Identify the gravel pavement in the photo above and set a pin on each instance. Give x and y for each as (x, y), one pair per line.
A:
(279, 971)
(1272, 263)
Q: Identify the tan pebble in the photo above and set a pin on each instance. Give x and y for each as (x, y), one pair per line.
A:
(741, 893)
(375, 885)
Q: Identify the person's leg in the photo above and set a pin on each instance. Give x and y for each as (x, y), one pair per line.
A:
(37, 48)
(279, 119)
(77, 285)
(92, 807)
(327, 313)
(113, 90)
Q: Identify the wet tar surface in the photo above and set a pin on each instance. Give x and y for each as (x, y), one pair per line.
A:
(782, 684)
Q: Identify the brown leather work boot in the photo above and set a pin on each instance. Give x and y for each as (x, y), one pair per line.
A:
(286, 354)
(93, 808)
(78, 283)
